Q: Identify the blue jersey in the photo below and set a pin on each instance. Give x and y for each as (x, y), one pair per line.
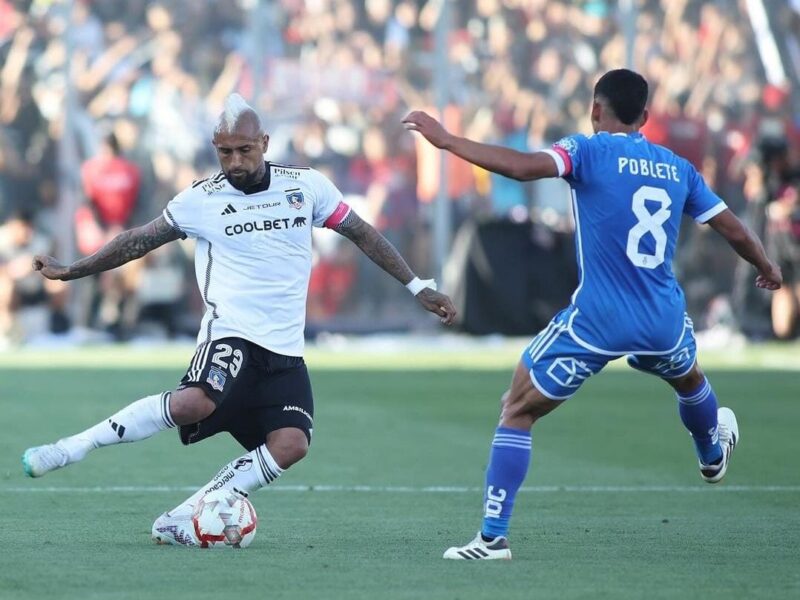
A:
(628, 196)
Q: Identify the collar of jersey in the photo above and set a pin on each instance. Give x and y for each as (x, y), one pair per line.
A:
(261, 186)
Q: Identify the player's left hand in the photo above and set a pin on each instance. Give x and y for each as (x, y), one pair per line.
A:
(429, 127)
(770, 278)
(438, 304)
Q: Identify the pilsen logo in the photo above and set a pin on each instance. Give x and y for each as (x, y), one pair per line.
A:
(213, 186)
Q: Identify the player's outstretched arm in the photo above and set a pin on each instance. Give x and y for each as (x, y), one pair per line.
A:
(385, 255)
(523, 166)
(749, 247)
(127, 246)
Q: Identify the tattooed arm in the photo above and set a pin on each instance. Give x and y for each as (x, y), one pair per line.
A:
(386, 256)
(127, 246)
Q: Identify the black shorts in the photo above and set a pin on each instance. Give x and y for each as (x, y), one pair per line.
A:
(256, 391)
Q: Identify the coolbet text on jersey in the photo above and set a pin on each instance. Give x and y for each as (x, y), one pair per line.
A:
(253, 253)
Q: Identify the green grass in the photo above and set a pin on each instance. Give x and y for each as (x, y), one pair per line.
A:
(406, 420)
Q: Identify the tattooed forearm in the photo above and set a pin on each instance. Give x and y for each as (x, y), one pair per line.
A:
(376, 247)
(127, 246)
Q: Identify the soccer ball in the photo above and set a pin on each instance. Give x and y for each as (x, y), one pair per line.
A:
(224, 519)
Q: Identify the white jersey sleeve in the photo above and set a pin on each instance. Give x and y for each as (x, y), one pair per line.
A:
(184, 212)
(327, 198)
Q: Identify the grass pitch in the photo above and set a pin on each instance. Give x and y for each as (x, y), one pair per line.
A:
(613, 506)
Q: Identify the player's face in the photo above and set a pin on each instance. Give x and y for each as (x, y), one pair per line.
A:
(241, 156)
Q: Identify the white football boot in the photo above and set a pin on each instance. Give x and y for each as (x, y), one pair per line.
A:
(40, 460)
(175, 527)
(478, 549)
(728, 431)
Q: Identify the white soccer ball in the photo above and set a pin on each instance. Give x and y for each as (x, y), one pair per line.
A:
(224, 519)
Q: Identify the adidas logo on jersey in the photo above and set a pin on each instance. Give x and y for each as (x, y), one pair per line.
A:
(229, 210)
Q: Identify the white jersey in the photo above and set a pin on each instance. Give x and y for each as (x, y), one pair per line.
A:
(253, 254)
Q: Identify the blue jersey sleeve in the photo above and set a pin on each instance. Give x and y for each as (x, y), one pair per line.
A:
(701, 204)
(569, 153)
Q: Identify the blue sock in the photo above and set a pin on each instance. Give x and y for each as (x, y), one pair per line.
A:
(698, 410)
(508, 465)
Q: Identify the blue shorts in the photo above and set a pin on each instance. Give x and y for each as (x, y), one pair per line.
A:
(559, 363)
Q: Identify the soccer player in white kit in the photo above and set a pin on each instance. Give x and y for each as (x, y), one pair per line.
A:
(252, 225)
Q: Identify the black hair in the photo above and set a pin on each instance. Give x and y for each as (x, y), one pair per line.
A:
(113, 143)
(626, 94)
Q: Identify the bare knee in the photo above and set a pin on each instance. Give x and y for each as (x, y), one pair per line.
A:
(522, 410)
(512, 407)
(689, 382)
(190, 405)
(523, 404)
(287, 446)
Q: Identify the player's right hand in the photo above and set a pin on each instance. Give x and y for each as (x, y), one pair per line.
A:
(770, 278)
(439, 304)
(429, 127)
(49, 267)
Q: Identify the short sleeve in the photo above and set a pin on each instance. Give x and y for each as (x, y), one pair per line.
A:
(184, 213)
(327, 198)
(568, 153)
(702, 204)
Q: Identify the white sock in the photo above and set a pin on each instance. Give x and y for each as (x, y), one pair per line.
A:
(246, 474)
(137, 421)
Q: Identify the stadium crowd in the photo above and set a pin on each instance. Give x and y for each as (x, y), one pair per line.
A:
(333, 80)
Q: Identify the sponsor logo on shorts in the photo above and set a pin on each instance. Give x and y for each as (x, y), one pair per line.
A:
(298, 409)
(569, 372)
(216, 378)
(674, 362)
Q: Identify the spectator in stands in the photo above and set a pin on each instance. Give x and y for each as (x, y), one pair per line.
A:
(783, 231)
(162, 68)
(111, 186)
(29, 306)
(159, 288)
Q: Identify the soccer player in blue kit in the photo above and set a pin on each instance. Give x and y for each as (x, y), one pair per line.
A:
(628, 196)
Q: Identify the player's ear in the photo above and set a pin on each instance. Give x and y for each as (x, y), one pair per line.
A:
(597, 111)
(264, 143)
(644, 117)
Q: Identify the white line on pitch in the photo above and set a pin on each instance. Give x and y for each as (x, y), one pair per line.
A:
(572, 489)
